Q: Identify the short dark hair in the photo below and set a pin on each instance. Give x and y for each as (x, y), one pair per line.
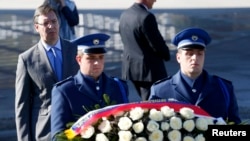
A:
(43, 9)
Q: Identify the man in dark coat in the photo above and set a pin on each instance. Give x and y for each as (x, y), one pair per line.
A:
(194, 85)
(144, 48)
(75, 96)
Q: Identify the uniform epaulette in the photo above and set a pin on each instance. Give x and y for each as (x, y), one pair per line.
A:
(63, 81)
(166, 78)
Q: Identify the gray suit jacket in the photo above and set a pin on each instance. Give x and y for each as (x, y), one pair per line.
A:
(34, 81)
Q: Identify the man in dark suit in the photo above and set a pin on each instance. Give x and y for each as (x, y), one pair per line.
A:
(36, 74)
(144, 48)
(89, 88)
(194, 85)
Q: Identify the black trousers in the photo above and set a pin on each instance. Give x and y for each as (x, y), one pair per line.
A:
(143, 89)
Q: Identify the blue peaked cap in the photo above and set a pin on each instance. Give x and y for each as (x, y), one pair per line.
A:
(191, 38)
(92, 43)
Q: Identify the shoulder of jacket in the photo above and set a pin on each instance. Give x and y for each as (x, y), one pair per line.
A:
(223, 79)
(70, 78)
(162, 80)
(120, 79)
(67, 42)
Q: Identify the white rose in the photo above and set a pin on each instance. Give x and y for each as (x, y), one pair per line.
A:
(199, 137)
(101, 137)
(124, 123)
(189, 125)
(136, 113)
(164, 126)
(125, 135)
(138, 127)
(88, 132)
(167, 112)
(188, 138)
(152, 126)
(105, 126)
(104, 118)
(201, 124)
(155, 115)
(174, 135)
(210, 121)
(187, 113)
(156, 135)
(140, 139)
(175, 123)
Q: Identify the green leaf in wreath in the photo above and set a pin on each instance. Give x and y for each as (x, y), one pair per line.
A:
(106, 99)
(97, 106)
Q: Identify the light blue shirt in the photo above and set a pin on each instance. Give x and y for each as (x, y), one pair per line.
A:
(55, 57)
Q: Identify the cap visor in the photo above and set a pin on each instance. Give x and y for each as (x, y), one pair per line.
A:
(193, 46)
(95, 51)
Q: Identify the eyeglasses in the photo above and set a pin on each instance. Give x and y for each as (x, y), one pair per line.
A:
(46, 24)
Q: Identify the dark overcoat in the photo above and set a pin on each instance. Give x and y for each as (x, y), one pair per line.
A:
(144, 48)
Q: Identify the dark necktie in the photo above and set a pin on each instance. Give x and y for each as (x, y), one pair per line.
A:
(56, 62)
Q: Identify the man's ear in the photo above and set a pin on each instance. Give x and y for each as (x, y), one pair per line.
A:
(78, 59)
(178, 57)
(36, 27)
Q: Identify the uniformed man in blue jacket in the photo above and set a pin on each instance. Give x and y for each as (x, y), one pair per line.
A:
(75, 96)
(192, 84)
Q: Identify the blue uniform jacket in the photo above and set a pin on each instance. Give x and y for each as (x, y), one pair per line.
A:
(211, 98)
(70, 95)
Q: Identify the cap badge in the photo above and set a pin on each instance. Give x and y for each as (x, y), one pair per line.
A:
(194, 38)
(96, 41)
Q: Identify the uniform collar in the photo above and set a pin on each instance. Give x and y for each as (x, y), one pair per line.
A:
(190, 81)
